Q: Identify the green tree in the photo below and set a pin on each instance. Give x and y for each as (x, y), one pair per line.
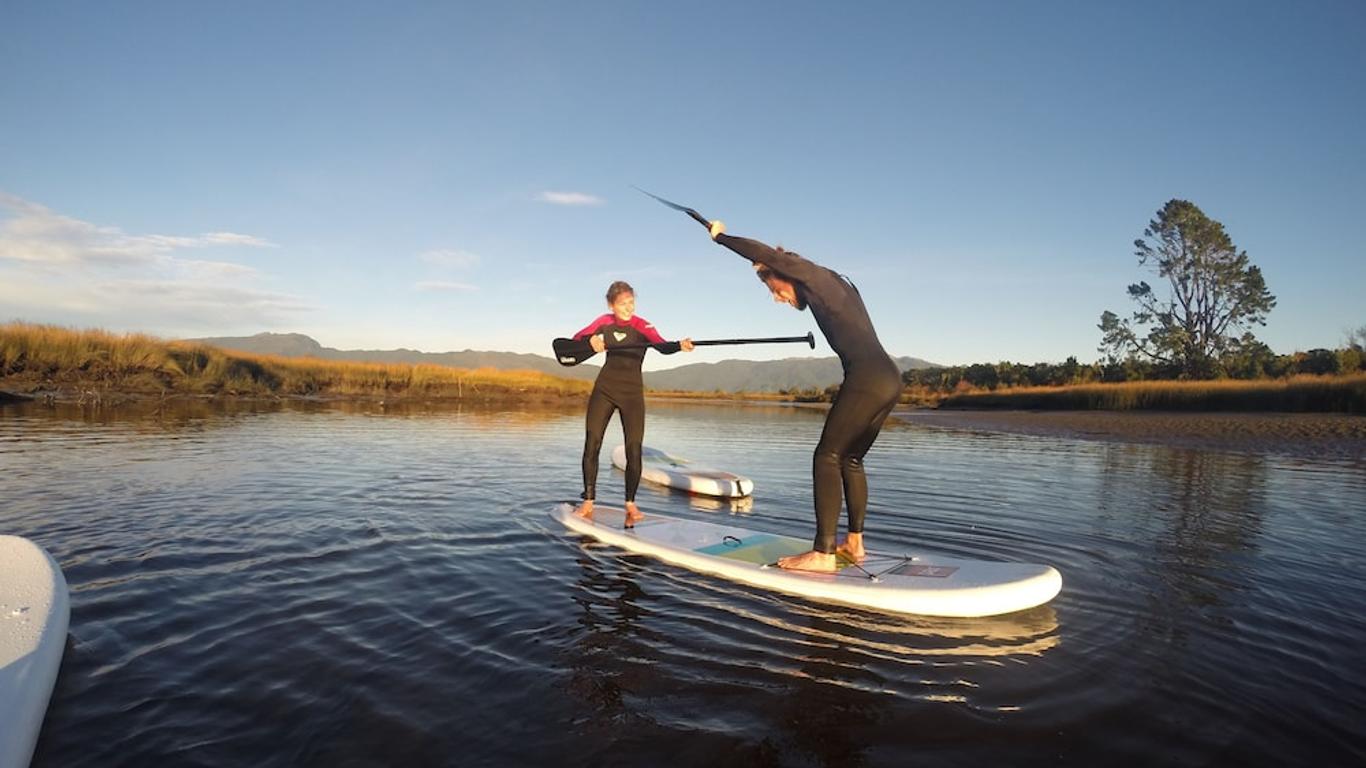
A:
(1215, 291)
(1357, 339)
(1248, 358)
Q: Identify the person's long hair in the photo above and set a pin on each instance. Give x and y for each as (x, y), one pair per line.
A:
(764, 272)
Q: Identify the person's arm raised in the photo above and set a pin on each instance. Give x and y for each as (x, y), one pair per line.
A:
(785, 263)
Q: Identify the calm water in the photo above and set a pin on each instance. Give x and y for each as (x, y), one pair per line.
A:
(288, 586)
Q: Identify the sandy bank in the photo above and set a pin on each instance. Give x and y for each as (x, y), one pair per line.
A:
(1301, 434)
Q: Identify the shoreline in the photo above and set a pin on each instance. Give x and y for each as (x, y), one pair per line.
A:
(1313, 435)
(119, 398)
(1316, 435)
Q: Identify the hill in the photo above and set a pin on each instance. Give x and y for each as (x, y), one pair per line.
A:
(759, 375)
(727, 375)
(299, 345)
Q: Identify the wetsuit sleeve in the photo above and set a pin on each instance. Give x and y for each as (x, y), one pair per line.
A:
(651, 335)
(593, 326)
(784, 262)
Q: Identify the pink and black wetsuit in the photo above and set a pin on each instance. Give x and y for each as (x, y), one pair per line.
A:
(619, 387)
(872, 384)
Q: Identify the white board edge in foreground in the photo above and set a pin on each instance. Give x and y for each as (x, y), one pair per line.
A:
(34, 611)
(975, 588)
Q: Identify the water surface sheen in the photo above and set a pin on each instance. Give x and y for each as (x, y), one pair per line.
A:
(353, 586)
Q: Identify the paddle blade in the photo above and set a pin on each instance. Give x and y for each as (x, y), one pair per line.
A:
(572, 351)
(699, 218)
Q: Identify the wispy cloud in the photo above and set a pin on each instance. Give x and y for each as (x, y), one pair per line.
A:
(569, 198)
(445, 285)
(449, 267)
(33, 233)
(450, 257)
(58, 268)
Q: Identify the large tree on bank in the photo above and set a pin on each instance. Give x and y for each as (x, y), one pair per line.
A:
(1215, 293)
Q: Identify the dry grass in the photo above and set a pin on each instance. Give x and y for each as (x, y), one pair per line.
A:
(45, 358)
(1341, 394)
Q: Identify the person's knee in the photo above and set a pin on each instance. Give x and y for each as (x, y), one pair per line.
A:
(827, 457)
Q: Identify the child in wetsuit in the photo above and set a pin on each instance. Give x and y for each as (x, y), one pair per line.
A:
(619, 387)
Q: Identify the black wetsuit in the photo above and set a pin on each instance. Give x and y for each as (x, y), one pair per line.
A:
(872, 384)
(619, 387)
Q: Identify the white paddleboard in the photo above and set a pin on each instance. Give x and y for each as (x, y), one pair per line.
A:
(34, 611)
(924, 585)
(663, 468)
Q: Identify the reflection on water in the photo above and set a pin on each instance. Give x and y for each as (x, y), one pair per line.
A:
(378, 584)
(698, 656)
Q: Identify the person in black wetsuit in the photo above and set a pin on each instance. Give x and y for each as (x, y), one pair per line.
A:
(619, 387)
(872, 385)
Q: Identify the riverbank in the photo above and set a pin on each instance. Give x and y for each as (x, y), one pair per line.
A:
(1319, 435)
(58, 365)
(1342, 393)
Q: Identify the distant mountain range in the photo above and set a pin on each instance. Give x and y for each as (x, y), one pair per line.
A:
(726, 376)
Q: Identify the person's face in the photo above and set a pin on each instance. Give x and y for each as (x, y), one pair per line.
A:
(624, 306)
(783, 291)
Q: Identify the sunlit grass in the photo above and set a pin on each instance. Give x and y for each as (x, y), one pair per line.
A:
(1296, 394)
(36, 358)
(41, 357)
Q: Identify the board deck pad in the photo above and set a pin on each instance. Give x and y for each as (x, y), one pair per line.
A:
(760, 548)
(915, 583)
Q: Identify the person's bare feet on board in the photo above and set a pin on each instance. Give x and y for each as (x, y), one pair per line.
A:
(851, 548)
(633, 514)
(820, 562)
(585, 510)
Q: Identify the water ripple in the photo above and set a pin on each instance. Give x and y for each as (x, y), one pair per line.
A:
(316, 586)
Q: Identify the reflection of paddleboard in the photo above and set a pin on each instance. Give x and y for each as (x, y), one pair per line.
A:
(665, 469)
(918, 584)
(33, 617)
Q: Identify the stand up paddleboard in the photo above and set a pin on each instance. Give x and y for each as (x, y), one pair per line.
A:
(923, 585)
(34, 611)
(663, 468)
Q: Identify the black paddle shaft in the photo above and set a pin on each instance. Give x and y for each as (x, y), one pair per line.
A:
(809, 338)
(575, 351)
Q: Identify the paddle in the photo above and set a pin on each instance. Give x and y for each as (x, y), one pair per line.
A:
(575, 351)
(696, 216)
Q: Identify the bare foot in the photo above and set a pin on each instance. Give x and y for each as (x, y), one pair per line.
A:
(585, 510)
(822, 562)
(633, 514)
(851, 548)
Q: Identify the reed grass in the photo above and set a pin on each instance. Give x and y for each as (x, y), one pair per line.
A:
(1304, 393)
(46, 357)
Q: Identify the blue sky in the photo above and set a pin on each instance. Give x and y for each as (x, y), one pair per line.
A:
(447, 176)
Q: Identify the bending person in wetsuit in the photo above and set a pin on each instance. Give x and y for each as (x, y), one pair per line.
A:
(619, 387)
(871, 387)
